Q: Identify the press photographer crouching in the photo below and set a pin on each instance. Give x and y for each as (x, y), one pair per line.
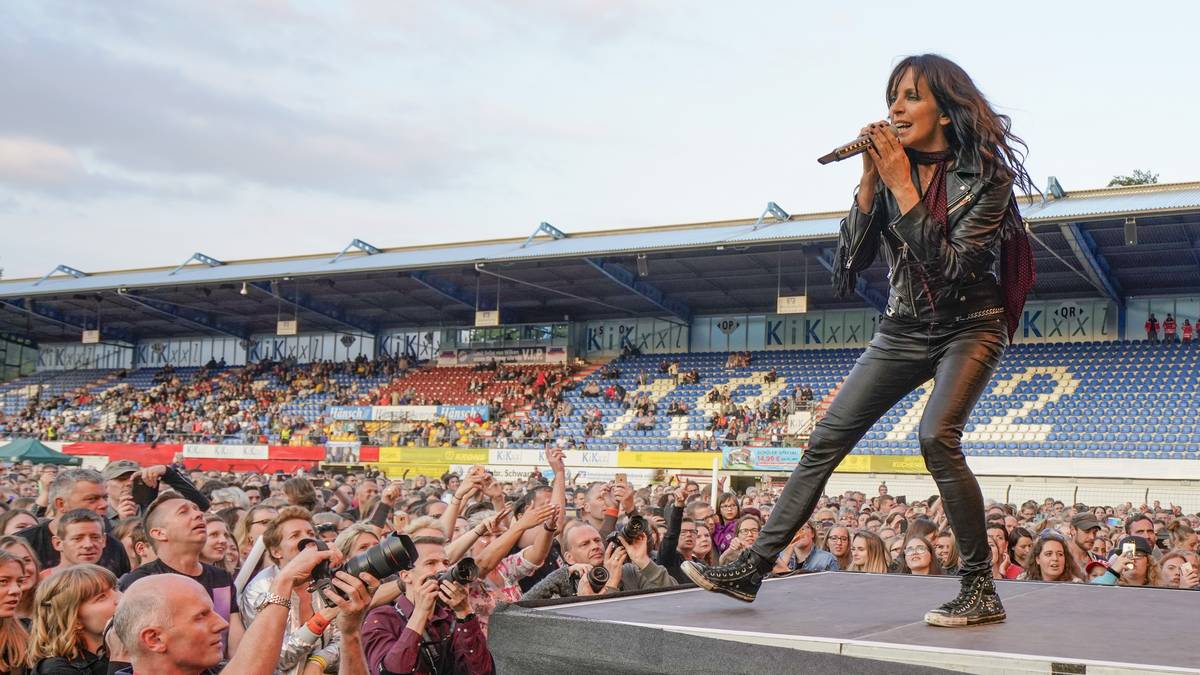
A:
(430, 629)
(624, 559)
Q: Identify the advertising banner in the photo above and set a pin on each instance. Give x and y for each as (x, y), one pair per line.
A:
(760, 459)
(667, 460)
(572, 458)
(406, 413)
(204, 451)
(785, 459)
(581, 476)
(433, 455)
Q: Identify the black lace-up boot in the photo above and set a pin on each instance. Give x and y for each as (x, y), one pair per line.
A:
(976, 604)
(739, 579)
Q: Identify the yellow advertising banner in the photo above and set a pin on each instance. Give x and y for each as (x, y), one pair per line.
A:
(396, 471)
(668, 460)
(433, 456)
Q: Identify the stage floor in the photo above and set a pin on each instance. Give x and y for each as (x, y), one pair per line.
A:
(1051, 628)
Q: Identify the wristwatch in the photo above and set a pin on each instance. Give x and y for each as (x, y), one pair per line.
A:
(273, 599)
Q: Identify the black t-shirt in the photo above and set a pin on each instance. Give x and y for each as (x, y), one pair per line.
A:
(554, 560)
(215, 580)
(113, 558)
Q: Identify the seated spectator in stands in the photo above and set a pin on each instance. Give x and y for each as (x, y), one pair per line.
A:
(1173, 575)
(806, 393)
(1152, 328)
(177, 532)
(770, 376)
(868, 554)
(629, 566)
(645, 422)
(79, 539)
(75, 489)
(1169, 328)
(74, 607)
(1187, 330)
(591, 390)
(429, 612)
(1050, 560)
(664, 367)
(14, 639)
(804, 555)
(685, 443)
(690, 377)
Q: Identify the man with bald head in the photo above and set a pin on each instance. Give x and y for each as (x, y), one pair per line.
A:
(628, 564)
(166, 624)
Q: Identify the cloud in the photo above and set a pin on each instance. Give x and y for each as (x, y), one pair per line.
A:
(144, 118)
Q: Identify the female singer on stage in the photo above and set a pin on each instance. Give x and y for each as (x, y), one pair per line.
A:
(936, 197)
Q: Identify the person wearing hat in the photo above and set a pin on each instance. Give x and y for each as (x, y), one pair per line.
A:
(1132, 566)
(121, 475)
(1084, 527)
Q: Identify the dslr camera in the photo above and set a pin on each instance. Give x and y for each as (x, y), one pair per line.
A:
(394, 554)
(636, 527)
(597, 577)
(462, 572)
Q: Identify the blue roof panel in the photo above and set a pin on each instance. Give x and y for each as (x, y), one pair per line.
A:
(1090, 203)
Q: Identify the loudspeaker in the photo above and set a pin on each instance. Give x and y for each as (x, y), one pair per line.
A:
(1130, 232)
(643, 267)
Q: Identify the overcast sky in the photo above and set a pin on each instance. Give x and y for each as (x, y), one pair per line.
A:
(134, 133)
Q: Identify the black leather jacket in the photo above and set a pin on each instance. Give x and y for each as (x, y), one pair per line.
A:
(934, 278)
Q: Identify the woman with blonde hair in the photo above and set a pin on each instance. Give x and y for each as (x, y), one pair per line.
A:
(14, 639)
(21, 549)
(74, 606)
(867, 553)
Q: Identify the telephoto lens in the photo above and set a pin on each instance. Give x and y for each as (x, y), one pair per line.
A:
(462, 572)
(636, 527)
(392, 555)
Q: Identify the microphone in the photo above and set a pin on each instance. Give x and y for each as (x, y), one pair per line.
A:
(855, 147)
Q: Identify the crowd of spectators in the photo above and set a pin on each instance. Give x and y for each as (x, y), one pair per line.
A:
(167, 570)
(250, 404)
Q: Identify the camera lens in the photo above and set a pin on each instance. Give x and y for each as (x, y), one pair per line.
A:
(597, 577)
(462, 573)
(393, 554)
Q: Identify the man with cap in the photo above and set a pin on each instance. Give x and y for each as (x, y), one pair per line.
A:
(1084, 527)
(121, 475)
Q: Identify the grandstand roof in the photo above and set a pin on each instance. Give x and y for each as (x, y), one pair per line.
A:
(703, 268)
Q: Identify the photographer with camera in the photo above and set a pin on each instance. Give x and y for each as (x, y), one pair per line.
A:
(624, 557)
(308, 634)
(430, 629)
(166, 624)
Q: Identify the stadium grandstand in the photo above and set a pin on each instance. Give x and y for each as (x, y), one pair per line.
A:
(719, 339)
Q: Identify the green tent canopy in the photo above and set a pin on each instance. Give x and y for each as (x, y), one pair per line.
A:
(32, 449)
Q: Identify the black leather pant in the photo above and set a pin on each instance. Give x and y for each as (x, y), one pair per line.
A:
(960, 358)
